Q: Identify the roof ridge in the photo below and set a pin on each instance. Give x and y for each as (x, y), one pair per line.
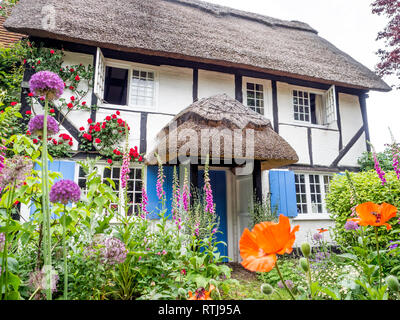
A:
(220, 10)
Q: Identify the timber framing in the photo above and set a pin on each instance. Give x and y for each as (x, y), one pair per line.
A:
(349, 145)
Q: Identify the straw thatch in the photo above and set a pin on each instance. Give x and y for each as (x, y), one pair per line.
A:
(212, 122)
(195, 31)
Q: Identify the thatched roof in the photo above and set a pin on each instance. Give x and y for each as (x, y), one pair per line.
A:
(219, 116)
(197, 31)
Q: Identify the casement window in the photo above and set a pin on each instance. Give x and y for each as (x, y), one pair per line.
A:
(134, 184)
(124, 84)
(255, 97)
(311, 190)
(314, 108)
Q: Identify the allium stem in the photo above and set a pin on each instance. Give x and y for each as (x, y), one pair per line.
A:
(46, 205)
(283, 281)
(378, 256)
(64, 224)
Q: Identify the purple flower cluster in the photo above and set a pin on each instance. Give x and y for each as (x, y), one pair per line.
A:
(317, 236)
(143, 205)
(37, 279)
(351, 225)
(2, 157)
(110, 250)
(65, 191)
(160, 182)
(15, 171)
(46, 83)
(35, 125)
(185, 193)
(289, 284)
(125, 170)
(2, 240)
(379, 170)
(209, 197)
(396, 163)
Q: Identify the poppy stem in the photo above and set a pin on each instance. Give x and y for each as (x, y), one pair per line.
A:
(378, 256)
(283, 281)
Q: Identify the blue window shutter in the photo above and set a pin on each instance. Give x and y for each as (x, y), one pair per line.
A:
(154, 204)
(66, 168)
(283, 192)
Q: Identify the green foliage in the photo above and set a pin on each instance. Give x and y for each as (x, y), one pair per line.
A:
(366, 161)
(261, 211)
(368, 187)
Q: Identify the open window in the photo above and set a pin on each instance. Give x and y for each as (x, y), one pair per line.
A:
(99, 75)
(315, 108)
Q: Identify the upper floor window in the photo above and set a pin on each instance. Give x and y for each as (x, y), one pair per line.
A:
(255, 97)
(124, 83)
(314, 108)
(311, 190)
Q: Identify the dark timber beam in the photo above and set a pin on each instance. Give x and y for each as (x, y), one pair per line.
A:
(257, 186)
(275, 106)
(363, 105)
(239, 88)
(346, 149)
(143, 133)
(195, 92)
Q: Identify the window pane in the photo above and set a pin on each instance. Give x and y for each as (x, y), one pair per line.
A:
(116, 85)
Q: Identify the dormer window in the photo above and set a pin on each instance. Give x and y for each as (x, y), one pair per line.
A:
(255, 97)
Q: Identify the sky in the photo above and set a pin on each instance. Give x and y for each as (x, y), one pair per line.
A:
(351, 27)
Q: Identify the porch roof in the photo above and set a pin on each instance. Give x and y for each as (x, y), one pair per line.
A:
(191, 133)
(196, 31)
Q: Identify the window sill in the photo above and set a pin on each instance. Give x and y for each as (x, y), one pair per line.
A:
(309, 125)
(127, 107)
(312, 217)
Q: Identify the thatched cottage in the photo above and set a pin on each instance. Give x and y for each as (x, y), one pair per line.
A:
(178, 68)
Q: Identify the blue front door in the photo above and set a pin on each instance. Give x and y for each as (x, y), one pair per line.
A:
(218, 187)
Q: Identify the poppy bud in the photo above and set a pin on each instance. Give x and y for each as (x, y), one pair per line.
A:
(393, 283)
(306, 249)
(266, 289)
(304, 264)
(182, 293)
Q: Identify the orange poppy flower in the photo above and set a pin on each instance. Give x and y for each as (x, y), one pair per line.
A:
(322, 230)
(201, 294)
(259, 247)
(372, 214)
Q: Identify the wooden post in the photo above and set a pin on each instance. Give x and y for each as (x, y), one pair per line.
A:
(257, 186)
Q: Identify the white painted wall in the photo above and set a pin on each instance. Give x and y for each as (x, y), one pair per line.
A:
(212, 83)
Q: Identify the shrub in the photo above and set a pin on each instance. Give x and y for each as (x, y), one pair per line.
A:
(368, 187)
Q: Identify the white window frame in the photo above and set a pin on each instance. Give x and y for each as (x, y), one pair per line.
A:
(266, 92)
(130, 66)
(101, 166)
(324, 215)
(325, 94)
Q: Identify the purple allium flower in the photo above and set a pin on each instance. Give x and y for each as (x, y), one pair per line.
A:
(35, 125)
(351, 225)
(125, 170)
(289, 284)
(37, 279)
(65, 191)
(15, 171)
(46, 83)
(317, 236)
(110, 250)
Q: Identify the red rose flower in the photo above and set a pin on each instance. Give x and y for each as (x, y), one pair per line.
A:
(35, 140)
(140, 159)
(41, 98)
(54, 141)
(82, 128)
(70, 143)
(84, 103)
(109, 161)
(72, 98)
(70, 105)
(71, 87)
(118, 113)
(29, 112)
(13, 103)
(52, 51)
(114, 116)
(51, 110)
(30, 94)
(97, 129)
(72, 70)
(77, 78)
(97, 140)
(108, 118)
(90, 121)
(28, 133)
(39, 62)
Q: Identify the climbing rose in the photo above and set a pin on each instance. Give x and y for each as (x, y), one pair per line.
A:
(35, 125)
(46, 83)
(65, 191)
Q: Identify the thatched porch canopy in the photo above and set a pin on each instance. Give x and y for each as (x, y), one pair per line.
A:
(223, 124)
